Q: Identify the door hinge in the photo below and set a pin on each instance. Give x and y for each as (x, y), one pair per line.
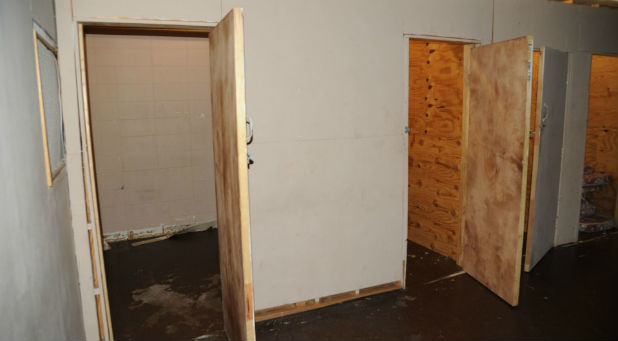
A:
(406, 130)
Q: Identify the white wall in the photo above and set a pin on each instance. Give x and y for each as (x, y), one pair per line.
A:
(152, 131)
(39, 296)
(327, 90)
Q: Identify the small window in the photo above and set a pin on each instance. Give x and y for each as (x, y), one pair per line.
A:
(48, 83)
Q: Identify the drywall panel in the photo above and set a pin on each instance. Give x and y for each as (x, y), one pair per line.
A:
(450, 18)
(573, 148)
(322, 221)
(548, 128)
(152, 134)
(168, 10)
(335, 83)
(562, 26)
(44, 14)
(598, 31)
(342, 80)
(78, 176)
(39, 289)
(434, 145)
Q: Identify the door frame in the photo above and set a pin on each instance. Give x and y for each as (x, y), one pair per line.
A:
(446, 39)
(102, 314)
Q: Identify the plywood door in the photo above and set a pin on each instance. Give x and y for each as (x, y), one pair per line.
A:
(496, 123)
(547, 155)
(230, 149)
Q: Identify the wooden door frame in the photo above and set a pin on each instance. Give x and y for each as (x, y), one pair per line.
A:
(95, 241)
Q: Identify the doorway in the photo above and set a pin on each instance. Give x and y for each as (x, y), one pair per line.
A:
(435, 106)
(150, 117)
(226, 53)
(435, 113)
(598, 212)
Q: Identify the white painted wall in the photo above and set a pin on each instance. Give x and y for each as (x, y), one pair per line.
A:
(327, 89)
(152, 131)
(39, 296)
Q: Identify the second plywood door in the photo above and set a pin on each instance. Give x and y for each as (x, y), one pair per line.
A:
(547, 155)
(230, 149)
(496, 123)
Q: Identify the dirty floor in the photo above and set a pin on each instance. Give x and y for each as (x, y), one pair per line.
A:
(168, 290)
(570, 294)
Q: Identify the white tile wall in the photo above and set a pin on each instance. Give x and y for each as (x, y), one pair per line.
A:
(151, 117)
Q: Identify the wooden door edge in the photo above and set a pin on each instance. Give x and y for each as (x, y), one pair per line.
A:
(535, 161)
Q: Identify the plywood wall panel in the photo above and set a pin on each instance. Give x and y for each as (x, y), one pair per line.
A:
(434, 158)
(602, 131)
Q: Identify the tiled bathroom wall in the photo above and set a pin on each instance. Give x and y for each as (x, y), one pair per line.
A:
(152, 133)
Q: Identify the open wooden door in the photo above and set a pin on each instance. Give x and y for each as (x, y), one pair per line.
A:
(227, 70)
(547, 155)
(497, 96)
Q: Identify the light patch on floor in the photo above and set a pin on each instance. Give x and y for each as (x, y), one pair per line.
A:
(169, 302)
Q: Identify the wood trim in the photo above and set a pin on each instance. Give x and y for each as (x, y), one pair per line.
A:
(535, 160)
(325, 301)
(432, 37)
(97, 299)
(48, 173)
(524, 182)
(93, 188)
(95, 276)
(146, 31)
(464, 149)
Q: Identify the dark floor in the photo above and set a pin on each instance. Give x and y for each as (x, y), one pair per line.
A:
(168, 290)
(159, 291)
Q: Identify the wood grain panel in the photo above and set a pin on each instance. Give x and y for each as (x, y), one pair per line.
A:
(498, 91)
(231, 181)
(434, 113)
(602, 131)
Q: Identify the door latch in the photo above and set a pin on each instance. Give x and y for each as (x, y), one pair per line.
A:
(249, 161)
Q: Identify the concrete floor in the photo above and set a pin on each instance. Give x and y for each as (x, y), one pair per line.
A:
(170, 290)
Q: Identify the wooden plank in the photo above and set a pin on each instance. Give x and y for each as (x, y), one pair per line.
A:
(549, 126)
(231, 180)
(434, 112)
(95, 277)
(602, 131)
(48, 166)
(101, 323)
(298, 307)
(531, 144)
(499, 91)
(465, 124)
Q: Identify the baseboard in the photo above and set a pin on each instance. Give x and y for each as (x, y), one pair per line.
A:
(316, 303)
(157, 231)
